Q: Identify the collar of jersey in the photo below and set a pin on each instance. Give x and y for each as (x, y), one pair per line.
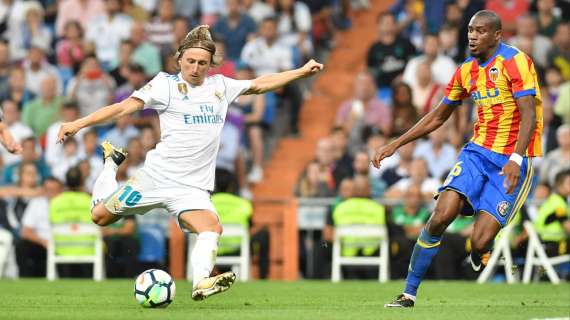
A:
(499, 49)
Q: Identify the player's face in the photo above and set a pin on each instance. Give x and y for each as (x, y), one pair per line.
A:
(194, 65)
(482, 37)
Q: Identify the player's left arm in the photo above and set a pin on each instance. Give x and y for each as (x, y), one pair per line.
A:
(274, 81)
(512, 170)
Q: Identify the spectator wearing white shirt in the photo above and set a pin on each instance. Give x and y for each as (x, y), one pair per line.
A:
(159, 29)
(33, 32)
(267, 55)
(81, 11)
(54, 151)
(70, 158)
(37, 68)
(135, 160)
(258, 10)
(18, 130)
(106, 32)
(527, 28)
(418, 176)
(212, 10)
(294, 25)
(442, 67)
(438, 153)
(35, 231)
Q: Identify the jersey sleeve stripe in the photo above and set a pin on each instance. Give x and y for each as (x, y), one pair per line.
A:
(450, 102)
(527, 92)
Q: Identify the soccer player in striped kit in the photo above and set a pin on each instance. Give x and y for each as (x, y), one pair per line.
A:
(493, 174)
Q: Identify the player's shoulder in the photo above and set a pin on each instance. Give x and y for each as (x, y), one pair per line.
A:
(508, 52)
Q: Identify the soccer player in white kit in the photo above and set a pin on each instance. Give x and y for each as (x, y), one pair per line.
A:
(179, 173)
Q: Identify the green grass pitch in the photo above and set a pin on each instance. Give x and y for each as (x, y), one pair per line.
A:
(113, 299)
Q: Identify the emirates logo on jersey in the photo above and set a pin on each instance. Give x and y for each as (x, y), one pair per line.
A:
(182, 88)
(493, 74)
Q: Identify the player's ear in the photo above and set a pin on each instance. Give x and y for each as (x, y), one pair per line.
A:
(498, 35)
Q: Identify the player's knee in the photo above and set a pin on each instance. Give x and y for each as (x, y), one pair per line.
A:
(438, 222)
(218, 229)
(100, 217)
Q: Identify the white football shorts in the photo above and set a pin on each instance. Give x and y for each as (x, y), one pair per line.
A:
(143, 193)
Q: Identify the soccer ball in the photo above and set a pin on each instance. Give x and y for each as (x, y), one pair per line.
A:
(154, 288)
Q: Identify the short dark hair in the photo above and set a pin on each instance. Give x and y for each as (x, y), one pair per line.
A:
(73, 178)
(560, 176)
(136, 68)
(492, 17)
(70, 104)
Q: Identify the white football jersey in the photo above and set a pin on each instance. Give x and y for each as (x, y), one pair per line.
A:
(191, 119)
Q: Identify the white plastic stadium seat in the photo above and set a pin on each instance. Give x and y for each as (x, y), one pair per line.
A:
(376, 231)
(76, 230)
(240, 264)
(5, 248)
(502, 248)
(536, 256)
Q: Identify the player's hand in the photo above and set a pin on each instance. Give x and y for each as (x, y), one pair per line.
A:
(14, 147)
(67, 129)
(312, 67)
(383, 153)
(512, 172)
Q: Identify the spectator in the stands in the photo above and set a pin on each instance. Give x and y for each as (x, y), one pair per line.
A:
(107, 30)
(398, 166)
(40, 113)
(315, 182)
(92, 87)
(527, 29)
(547, 21)
(387, 57)
(442, 67)
(121, 71)
(37, 68)
(294, 27)
(123, 131)
(342, 166)
(438, 153)
(427, 92)
(508, 11)
(82, 11)
(16, 88)
(557, 159)
(69, 50)
(93, 160)
(266, 55)
(31, 250)
(559, 55)
(145, 53)
(53, 151)
(419, 175)
(404, 113)
(160, 28)
(258, 9)
(364, 109)
(19, 131)
(235, 29)
(407, 221)
(29, 155)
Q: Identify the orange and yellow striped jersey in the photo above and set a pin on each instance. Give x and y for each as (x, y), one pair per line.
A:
(494, 85)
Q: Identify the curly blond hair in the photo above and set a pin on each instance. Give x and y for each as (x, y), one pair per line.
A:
(199, 37)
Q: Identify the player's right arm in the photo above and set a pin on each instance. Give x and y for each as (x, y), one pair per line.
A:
(431, 121)
(102, 115)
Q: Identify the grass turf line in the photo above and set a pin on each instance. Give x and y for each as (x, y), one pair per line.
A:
(113, 299)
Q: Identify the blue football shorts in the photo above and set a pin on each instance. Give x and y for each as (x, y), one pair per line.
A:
(476, 177)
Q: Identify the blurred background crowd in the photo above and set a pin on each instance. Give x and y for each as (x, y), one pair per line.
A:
(63, 59)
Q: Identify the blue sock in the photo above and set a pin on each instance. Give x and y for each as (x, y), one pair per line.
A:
(425, 249)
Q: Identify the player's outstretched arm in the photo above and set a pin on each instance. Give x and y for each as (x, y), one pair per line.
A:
(431, 121)
(512, 170)
(104, 114)
(277, 80)
(8, 141)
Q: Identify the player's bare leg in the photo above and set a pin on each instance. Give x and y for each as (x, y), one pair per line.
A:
(206, 224)
(484, 232)
(448, 206)
(106, 184)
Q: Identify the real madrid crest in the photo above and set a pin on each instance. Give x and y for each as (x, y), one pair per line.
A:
(494, 74)
(182, 88)
(218, 95)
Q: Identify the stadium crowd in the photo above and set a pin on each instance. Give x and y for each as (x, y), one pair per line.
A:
(61, 60)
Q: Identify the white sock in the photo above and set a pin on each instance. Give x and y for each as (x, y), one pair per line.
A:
(203, 257)
(105, 184)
